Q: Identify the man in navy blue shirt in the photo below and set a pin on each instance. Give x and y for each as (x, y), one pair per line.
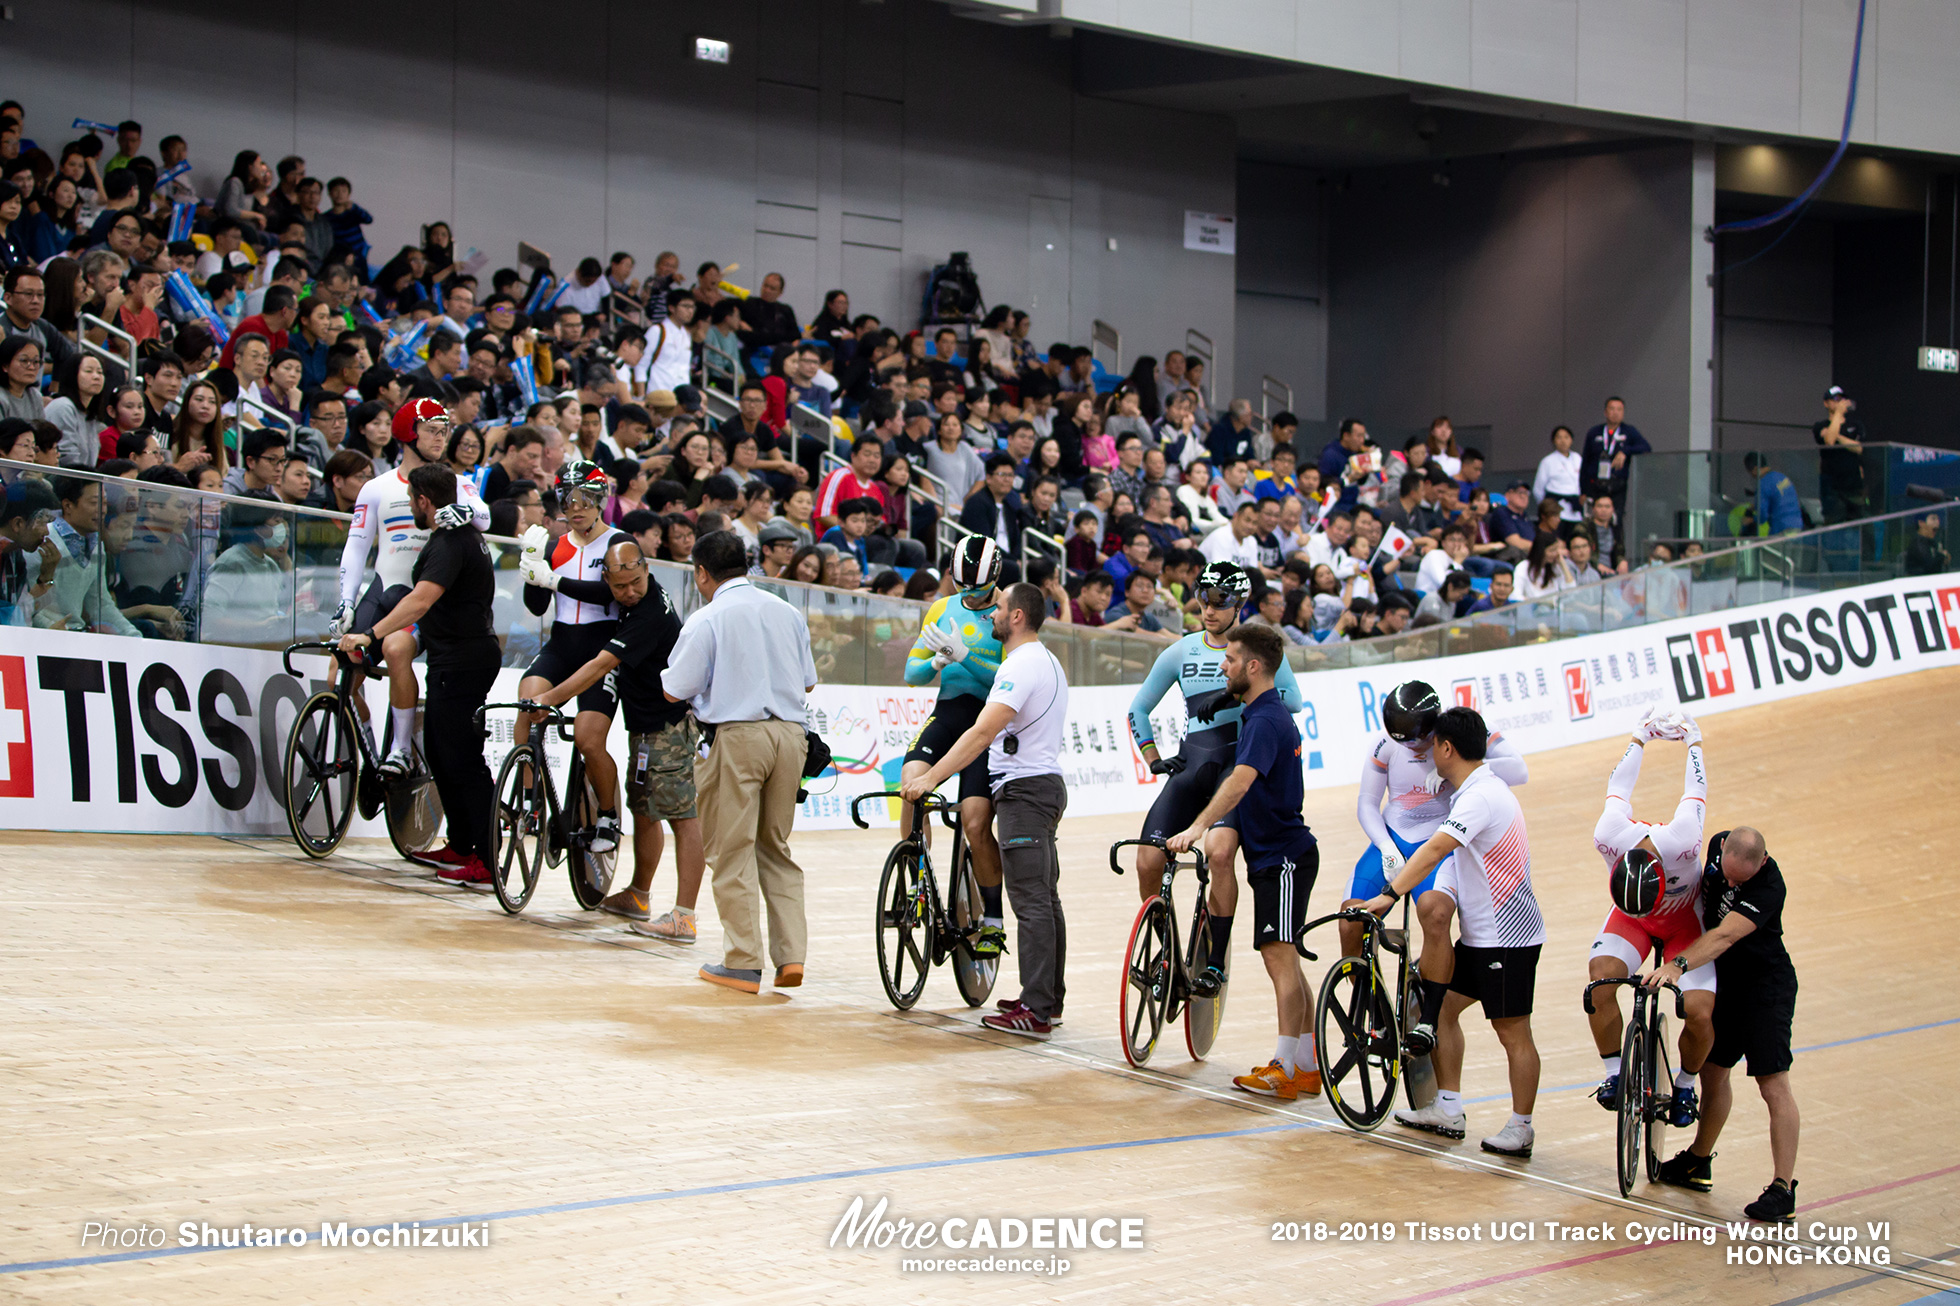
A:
(1334, 460)
(1266, 791)
(1511, 522)
(1606, 462)
(1778, 509)
(1231, 436)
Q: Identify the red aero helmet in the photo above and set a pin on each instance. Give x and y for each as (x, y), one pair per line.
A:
(416, 410)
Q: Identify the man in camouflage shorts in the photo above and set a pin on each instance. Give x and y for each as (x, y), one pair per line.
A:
(662, 743)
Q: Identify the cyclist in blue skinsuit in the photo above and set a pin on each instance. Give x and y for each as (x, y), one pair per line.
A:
(956, 643)
(1195, 665)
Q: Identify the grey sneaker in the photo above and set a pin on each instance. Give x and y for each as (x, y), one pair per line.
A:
(676, 926)
(748, 981)
(1432, 1120)
(1513, 1140)
(627, 903)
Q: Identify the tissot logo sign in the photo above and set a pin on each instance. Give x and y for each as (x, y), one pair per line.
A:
(1793, 646)
(1578, 691)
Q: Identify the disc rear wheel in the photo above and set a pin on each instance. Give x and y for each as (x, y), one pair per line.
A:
(322, 770)
(975, 976)
(1357, 1044)
(1203, 1016)
(1660, 1096)
(1631, 1130)
(1147, 980)
(591, 872)
(904, 923)
(517, 831)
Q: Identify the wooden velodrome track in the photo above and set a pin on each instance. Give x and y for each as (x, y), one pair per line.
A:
(218, 1031)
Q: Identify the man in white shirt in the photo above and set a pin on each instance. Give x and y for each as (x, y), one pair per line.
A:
(1329, 544)
(664, 365)
(1239, 541)
(1021, 730)
(586, 289)
(744, 662)
(1484, 854)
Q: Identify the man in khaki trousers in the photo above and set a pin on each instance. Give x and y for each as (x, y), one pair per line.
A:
(743, 661)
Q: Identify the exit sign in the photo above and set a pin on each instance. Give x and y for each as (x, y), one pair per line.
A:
(1934, 359)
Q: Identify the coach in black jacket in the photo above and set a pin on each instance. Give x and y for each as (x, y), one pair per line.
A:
(994, 510)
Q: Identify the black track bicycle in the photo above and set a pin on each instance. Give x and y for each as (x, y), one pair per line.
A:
(1362, 1022)
(333, 767)
(1159, 970)
(916, 929)
(1646, 1080)
(529, 827)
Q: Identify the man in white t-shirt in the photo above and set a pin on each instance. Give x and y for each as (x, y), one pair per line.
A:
(1484, 857)
(1239, 541)
(1021, 730)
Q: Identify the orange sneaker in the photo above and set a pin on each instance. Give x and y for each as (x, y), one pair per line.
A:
(1269, 1080)
(1306, 1080)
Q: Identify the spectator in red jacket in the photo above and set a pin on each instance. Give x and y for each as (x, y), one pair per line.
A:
(273, 322)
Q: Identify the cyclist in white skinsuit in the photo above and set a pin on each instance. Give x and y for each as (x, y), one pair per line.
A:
(382, 517)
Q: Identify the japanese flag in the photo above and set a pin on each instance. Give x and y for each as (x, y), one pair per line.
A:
(1395, 544)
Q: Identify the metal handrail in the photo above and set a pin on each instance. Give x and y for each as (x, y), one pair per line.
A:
(292, 427)
(1198, 344)
(718, 362)
(1102, 334)
(88, 320)
(1271, 387)
(719, 403)
(805, 420)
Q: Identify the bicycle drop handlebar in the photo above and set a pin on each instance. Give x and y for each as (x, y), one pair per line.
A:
(1197, 855)
(1680, 1007)
(552, 715)
(1360, 916)
(934, 802)
(346, 660)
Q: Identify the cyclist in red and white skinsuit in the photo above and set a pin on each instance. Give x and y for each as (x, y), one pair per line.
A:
(385, 523)
(1625, 942)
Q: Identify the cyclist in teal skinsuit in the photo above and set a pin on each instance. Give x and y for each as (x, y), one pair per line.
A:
(1194, 665)
(956, 643)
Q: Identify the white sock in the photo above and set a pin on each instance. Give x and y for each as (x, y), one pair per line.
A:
(1517, 1119)
(1289, 1052)
(1683, 1079)
(1450, 1104)
(680, 911)
(1612, 1064)
(404, 719)
(994, 921)
(1307, 1049)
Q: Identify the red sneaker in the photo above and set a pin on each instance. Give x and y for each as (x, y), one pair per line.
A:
(1019, 1020)
(444, 856)
(470, 872)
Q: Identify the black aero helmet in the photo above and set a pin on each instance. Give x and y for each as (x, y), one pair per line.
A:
(585, 480)
(1223, 585)
(1410, 711)
(1637, 882)
(976, 563)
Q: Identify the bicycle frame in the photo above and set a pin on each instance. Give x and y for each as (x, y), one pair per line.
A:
(949, 814)
(1647, 1085)
(1198, 911)
(925, 909)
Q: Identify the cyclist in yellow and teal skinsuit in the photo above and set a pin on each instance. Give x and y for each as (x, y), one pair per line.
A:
(956, 643)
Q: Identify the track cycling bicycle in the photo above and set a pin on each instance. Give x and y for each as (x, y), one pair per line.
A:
(1646, 1080)
(915, 926)
(1159, 973)
(1362, 1021)
(529, 827)
(332, 767)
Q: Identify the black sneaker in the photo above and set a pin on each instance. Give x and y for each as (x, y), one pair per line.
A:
(1686, 1170)
(1207, 982)
(1608, 1093)
(1421, 1040)
(1777, 1205)
(1683, 1109)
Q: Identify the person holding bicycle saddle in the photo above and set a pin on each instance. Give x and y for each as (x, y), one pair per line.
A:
(1399, 769)
(1282, 859)
(1742, 895)
(582, 623)
(1483, 855)
(455, 587)
(661, 739)
(1654, 872)
(384, 520)
(1196, 665)
(957, 643)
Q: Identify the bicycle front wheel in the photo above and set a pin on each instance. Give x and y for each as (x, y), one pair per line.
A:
(322, 769)
(975, 976)
(591, 872)
(1631, 1132)
(1357, 1044)
(1147, 979)
(517, 830)
(904, 959)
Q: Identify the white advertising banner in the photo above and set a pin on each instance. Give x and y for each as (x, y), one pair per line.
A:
(121, 735)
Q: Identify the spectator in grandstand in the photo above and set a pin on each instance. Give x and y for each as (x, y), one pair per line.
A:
(1602, 527)
(78, 409)
(995, 510)
(1511, 523)
(1450, 600)
(1545, 569)
(1135, 613)
(20, 378)
(767, 322)
(857, 481)
(1092, 599)
(248, 599)
(27, 305)
(1925, 555)
(1558, 476)
(1585, 563)
(1607, 459)
(1778, 510)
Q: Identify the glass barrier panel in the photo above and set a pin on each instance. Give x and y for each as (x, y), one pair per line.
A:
(892, 627)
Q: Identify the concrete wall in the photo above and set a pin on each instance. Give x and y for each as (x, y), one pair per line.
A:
(846, 144)
(1282, 284)
(1779, 66)
(1774, 334)
(1518, 297)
